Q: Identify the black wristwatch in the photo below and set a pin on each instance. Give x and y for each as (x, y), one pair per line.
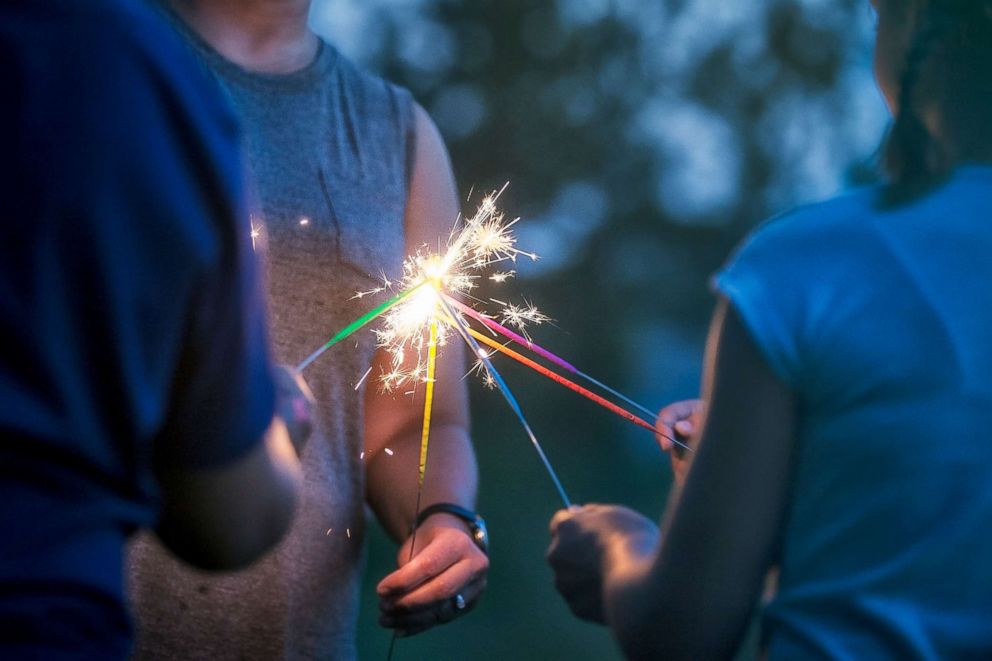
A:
(476, 524)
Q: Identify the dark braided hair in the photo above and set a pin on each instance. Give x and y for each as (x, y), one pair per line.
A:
(947, 74)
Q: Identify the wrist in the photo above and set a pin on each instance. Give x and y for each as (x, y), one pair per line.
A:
(444, 520)
(629, 555)
(455, 516)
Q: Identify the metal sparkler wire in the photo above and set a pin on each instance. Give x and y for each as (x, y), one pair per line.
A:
(465, 332)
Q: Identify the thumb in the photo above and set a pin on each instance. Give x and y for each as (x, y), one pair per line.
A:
(685, 427)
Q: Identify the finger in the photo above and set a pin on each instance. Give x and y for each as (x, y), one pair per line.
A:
(438, 612)
(662, 435)
(685, 428)
(665, 424)
(445, 586)
(561, 516)
(413, 622)
(676, 411)
(431, 561)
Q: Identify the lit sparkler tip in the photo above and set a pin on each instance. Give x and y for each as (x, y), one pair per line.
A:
(485, 239)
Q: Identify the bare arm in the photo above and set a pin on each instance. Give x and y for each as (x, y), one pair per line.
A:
(228, 517)
(446, 561)
(690, 596)
(694, 597)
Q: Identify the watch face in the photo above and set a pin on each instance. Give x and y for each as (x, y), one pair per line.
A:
(480, 535)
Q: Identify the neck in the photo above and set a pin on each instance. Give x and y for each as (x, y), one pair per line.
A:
(267, 36)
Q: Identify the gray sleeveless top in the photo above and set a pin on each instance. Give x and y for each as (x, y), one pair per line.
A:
(329, 150)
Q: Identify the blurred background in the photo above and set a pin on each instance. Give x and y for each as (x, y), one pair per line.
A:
(641, 140)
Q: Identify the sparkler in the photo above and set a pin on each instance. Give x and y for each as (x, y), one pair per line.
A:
(428, 286)
(571, 385)
(493, 325)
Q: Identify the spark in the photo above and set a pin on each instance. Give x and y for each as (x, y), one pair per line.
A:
(389, 452)
(348, 532)
(369, 292)
(361, 456)
(362, 380)
(304, 221)
(387, 284)
(502, 276)
(328, 533)
(519, 316)
(255, 232)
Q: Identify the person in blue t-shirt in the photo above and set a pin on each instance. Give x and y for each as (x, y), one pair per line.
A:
(845, 436)
(135, 383)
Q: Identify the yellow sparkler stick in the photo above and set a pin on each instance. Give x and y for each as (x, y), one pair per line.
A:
(425, 433)
(425, 436)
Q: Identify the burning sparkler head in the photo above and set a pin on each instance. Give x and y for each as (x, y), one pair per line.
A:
(484, 240)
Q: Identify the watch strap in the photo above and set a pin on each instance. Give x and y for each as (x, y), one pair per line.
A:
(476, 524)
(462, 513)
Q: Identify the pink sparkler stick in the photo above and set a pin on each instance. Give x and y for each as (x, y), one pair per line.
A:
(500, 329)
(561, 362)
(497, 327)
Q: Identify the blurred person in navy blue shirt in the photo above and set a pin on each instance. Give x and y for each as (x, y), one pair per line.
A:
(135, 382)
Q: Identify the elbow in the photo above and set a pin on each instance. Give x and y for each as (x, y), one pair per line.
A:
(648, 625)
(227, 519)
(670, 633)
(638, 636)
(641, 642)
(235, 543)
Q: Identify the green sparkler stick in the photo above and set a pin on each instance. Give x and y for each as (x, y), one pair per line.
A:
(350, 329)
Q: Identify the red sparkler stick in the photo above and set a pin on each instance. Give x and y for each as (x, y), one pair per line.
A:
(506, 332)
(571, 385)
(500, 329)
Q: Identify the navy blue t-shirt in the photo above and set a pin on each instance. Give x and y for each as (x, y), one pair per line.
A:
(132, 332)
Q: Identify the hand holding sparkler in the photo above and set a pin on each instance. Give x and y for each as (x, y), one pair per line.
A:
(439, 565)
(680, 420)
(295, 405)
(591, 544)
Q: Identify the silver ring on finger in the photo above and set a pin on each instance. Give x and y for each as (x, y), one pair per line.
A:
(458, 601)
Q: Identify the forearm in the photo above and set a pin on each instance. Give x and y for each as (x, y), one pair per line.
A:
(228, 517)
(628, 594)
(392, 480)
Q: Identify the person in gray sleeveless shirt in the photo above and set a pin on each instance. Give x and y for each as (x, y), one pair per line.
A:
(350, 176)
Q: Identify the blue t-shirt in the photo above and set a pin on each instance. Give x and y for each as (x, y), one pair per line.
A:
(131, 329)
(880, 320)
